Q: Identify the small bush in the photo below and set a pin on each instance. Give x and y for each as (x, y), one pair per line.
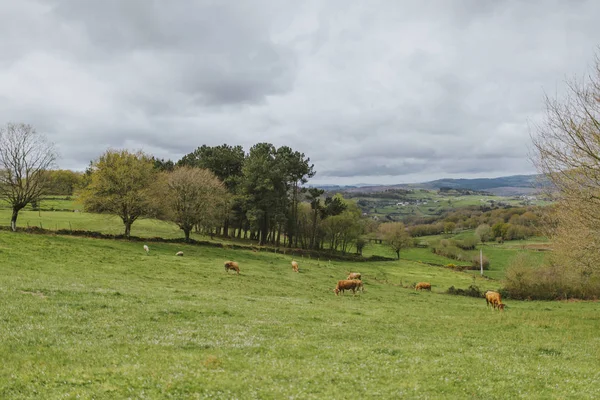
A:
(471, 291)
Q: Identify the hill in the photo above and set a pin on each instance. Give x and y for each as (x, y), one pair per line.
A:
(502, 186)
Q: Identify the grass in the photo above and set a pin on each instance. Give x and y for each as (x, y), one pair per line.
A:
(100, 319)
(107, 224)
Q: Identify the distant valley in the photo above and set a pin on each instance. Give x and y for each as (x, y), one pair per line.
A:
(514, 185)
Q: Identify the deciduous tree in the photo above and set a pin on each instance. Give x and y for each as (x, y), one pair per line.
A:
(25, 156)
(567, 152)
(395, 236)
(193, 196)
(121, 184)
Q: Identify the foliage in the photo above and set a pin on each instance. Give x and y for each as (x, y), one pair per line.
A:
(567, 148)
(25, 157)
(224, 161)
(121, 184)
(526, 279)
(467, 243)
(395, 236)
(425, 229)
(343, 230)
(163, 165)
(484, 232)
(63, 182)
(192, 197)
(471, 291)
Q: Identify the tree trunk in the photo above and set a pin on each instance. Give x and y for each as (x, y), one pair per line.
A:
(13, 219)
(264, 230)
(226, 227)
(127, 228)
(186, 232)
(398, 254)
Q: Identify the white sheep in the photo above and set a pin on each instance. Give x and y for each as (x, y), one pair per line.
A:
(146, 249)
(179, 253)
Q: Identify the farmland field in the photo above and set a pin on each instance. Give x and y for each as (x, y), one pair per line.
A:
(101, 319)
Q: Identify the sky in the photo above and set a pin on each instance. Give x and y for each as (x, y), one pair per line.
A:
(378, 92)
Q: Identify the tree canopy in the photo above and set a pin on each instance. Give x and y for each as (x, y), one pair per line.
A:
(121, 184)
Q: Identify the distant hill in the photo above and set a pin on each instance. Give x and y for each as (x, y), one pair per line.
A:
(520, 181)
(502, 186)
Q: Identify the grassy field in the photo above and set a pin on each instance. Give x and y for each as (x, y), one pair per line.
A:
(427, 203)
(87, 318)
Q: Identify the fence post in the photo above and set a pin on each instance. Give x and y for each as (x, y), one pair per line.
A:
(481, 260)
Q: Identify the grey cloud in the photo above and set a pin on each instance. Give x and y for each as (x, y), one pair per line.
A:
(379, 91)
(217, 53)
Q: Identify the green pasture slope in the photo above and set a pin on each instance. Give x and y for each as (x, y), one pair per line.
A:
(88, 318)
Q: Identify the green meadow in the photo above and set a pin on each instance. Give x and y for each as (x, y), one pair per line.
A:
(90, 318)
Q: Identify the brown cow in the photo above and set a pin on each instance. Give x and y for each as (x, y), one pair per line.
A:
(295, 266)
(347, 284)
(494, 299)
(232, 265)
(354, 275)
(423, 286)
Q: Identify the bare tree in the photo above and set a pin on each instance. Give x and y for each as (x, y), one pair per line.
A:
(192, 197)
(567, 151)
(25, 155)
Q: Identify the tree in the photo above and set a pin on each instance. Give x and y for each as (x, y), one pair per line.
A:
(163, 165)
(449, 227)
(63, 181)
(25, 156)
(121, 183)
(226, 163)
(191, 197)
(263, 187)
(567, 153)
(395, 235)
(484, 232)
(296, 169)
(314, 197)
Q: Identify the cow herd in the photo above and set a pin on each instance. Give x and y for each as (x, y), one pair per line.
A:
(354, 282)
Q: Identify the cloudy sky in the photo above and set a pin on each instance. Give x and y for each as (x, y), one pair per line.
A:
(372, 91)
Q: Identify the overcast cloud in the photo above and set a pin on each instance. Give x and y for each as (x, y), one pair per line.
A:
(377, 91)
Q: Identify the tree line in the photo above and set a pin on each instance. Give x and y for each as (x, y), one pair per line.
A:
(222, 190)
(217, 190)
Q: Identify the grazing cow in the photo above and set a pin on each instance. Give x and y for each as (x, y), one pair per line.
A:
(354, 275)
(146, 249)
(295, 266)
(232, 265)
(179, 253)
(347, 284)
(423, 286)
(494, 299)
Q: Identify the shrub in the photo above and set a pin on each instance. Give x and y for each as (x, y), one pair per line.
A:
(467, 243)
(475, 262)
(471, 291)
(526, 280)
